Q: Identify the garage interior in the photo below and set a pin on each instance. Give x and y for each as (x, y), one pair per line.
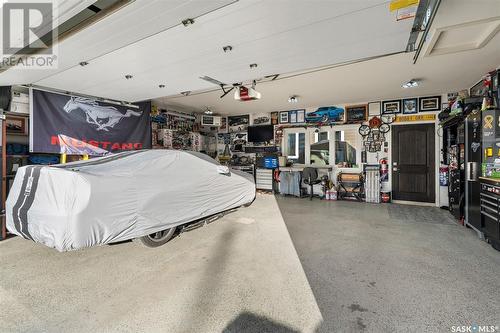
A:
(250, 166)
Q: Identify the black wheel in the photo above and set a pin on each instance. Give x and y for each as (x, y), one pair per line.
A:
(158, 238)
(324, 119)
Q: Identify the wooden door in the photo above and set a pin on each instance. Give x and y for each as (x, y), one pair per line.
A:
(413, 163)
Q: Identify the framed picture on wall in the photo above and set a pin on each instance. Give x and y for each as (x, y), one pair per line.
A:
(373, 109)
(15, 125)
(427, 104)
(301, 116)
(238, 123)
(391, 107)
(261, 119)
(284, 117)
(356, 114)
(223, 125)
(292, 116)
(274, 118)
(410, 106)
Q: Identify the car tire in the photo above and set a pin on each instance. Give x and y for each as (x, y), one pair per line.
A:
(324, 119)
(158, 238)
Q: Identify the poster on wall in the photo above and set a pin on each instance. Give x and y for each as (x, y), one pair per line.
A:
(223, 124)
(223, 140)
(274, 118)
(261, 119)
(76, 125)
(238, 123)
(238, 141)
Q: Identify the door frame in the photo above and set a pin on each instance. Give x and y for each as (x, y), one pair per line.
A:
(437, 162)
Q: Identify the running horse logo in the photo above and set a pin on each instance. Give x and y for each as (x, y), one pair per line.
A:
(104, 117)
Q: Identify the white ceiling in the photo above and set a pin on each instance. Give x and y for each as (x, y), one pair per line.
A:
(129, 25)
(372, 80)
(62, 11)
(280, 36)
(145, 39)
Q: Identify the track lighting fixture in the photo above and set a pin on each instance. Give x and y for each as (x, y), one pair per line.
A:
(188, 21)
(410, 84)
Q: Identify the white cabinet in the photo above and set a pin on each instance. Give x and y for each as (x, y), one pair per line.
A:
(264, 179)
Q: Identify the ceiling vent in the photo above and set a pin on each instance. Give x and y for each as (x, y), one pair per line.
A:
(463, 37)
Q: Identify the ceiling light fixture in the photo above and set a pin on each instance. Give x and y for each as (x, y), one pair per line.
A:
(128, 76)
(83, 63)
(185, 93)
(293, 99)
(161, 86)
(227, 48)
(208, 111)
(252, 66)
(410, 84)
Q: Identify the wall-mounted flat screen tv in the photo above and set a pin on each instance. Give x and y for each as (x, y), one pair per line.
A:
(262, 133)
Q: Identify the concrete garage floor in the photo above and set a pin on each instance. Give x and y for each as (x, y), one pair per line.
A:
(239, 274)
(362, 268)
(393, 268)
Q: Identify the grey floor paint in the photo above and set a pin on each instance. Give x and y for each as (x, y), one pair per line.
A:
(347, 267)
(386, 268)
(239, 274)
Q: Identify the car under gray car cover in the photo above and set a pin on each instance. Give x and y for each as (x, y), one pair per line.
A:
(119, 197)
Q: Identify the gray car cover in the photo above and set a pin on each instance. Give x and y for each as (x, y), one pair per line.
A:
(119, 197)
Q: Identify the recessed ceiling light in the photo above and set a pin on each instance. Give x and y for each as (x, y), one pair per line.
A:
(128, 76)
(161, 86)
(84, 63)
(187, 21)
(227, 48)
(410, 84)
(185, 93)
(293, 99)
(252, 66)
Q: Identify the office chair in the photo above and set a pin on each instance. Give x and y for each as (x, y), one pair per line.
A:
(310, 177)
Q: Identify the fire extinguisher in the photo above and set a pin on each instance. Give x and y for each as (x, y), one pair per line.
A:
(384, 170)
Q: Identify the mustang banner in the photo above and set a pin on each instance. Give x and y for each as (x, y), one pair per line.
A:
(76, 125)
